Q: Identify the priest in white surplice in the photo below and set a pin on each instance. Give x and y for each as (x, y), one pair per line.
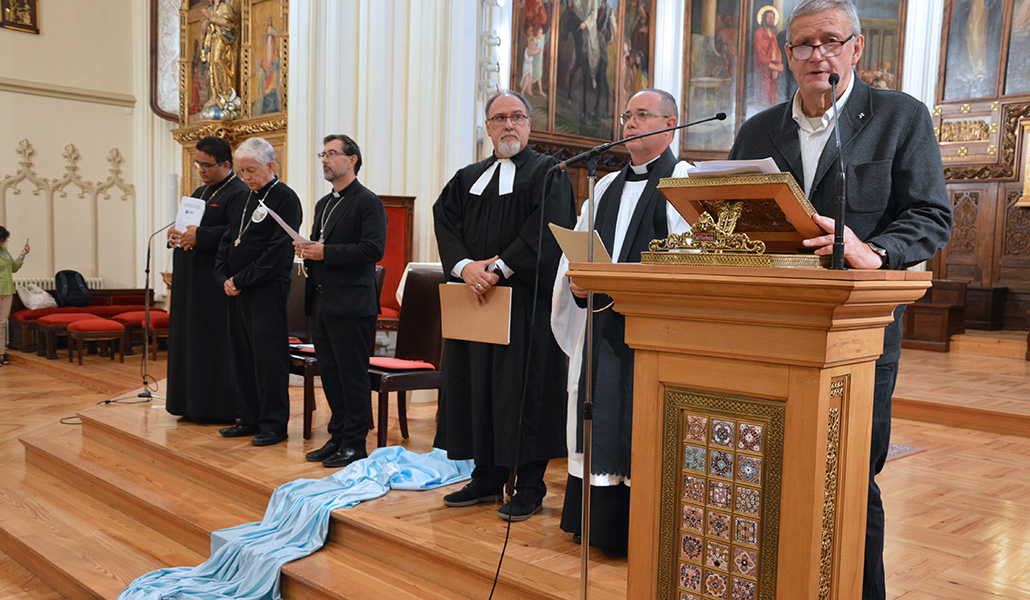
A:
(629, 213)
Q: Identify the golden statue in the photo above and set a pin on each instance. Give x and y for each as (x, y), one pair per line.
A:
(220, 49)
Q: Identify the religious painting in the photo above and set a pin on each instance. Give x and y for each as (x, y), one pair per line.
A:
(578, 61)
(883, 25)
(768, 79)
(210, 62)
(711, 87)
(1017, 72)
(974, 44)
(20, 15)
(267, 51)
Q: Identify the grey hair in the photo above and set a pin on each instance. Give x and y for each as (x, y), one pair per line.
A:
(668, 101)
(257, 149)
(811, 7)
(529, 109)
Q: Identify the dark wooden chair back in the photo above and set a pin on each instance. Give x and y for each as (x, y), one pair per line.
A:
(418, 329)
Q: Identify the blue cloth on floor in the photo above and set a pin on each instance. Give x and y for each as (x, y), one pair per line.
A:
(246, 560)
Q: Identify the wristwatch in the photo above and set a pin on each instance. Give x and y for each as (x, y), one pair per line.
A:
(881, 252)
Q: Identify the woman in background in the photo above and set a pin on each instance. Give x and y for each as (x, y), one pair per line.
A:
(8, 265)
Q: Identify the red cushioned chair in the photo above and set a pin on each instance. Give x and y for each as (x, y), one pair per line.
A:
(158, 329)
(399, 235)
(52, 326)
(419, 351)
(132, 320)
(95, 330)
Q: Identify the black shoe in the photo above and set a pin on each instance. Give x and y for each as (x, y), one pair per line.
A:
(519, 509)
(343, 457)
(268, 438)
(474, 492)
(238, 431)
(577, 538)
(324, 452)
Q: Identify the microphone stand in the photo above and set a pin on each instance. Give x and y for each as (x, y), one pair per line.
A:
(840, 202)
(145, 395)
(590, 158)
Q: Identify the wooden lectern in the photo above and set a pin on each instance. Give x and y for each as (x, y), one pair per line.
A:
(751, 424)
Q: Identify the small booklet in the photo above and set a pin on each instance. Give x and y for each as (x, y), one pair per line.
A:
(574, 244)
(732, 167)
(191, 211)
(291, 231)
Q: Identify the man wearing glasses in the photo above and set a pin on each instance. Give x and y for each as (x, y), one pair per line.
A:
(898, 212)
(488, 228)
(629, 213)
(349, 235)
(199, 386)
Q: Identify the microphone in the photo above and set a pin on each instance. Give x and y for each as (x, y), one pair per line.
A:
(601, 149)
(840, 202)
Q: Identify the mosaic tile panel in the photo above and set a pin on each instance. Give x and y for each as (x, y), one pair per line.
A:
(748, 500)
(691, 548)
(749, 470)
(694, 489)
(697, 428)
(717, 555)
(690, 577)
(718, 525)
(722, 432)
(716, 584)
(750, 437)
(694, 458)
(745, 562)
(743, 590)
(693, 518)
(746, 531)
(722, 464)
(719, 494)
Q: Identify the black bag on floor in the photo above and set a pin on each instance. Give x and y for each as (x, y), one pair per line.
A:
(71, 289)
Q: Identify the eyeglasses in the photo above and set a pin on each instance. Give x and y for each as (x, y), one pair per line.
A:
(828, 50)
(640, 115)
(204, 165)
(332, 154)
(516, 119)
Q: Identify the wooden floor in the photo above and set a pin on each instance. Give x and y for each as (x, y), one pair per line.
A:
(958, 524)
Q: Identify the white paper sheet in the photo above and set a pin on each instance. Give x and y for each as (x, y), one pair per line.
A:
(191, 211)
(293, 233)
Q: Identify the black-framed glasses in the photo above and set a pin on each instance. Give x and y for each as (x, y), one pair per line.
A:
(828, 50)
(205, 165)
(332, 154)
(640, 115)
(516, 119)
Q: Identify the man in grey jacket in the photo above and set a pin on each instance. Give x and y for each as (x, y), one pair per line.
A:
(898, 213)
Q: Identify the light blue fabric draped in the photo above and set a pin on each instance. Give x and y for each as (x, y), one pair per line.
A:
(246, 559)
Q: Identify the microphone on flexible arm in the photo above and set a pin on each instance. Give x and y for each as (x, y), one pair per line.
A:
(602, 148)
(840, 202)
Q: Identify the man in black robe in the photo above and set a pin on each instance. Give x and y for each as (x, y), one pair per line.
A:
(199, 386)
(341, 297)
(629, 213)
(253, 268)
(488, 227)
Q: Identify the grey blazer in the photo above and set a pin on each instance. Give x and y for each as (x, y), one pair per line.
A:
(895, 179)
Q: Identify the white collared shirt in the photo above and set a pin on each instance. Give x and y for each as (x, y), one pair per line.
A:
(813, 133)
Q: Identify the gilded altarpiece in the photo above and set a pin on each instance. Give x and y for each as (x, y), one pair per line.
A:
(981, 120)
(233, 70)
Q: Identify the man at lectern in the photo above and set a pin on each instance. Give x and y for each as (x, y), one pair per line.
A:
(488, 229)
(898, 213)
(629, 213)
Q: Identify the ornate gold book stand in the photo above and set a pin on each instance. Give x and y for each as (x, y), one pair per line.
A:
(746, 220)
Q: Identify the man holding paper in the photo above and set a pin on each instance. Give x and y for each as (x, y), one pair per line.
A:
(253, 268)
(349, 235)
(199, 388)
(629, 213)
(488, 229)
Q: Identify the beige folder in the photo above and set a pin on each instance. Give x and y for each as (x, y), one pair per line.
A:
(574, 244)
(462, 318)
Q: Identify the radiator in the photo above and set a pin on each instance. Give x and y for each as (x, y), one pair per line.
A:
(47, 283)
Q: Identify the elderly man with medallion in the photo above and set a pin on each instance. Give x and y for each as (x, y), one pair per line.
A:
(253, 268)
(198, 346)
(341, 297)
(488, 228)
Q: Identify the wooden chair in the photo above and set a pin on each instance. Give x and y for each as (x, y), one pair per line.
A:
(400, 227)
(419, 351)
(95, 330)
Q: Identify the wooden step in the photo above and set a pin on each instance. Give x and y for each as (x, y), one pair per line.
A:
(76, 544)
(1003, 344)
(177, 507)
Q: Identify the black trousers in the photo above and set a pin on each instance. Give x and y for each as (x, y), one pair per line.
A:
(873, 585)
(259, 355)
(529, 478)
(342, 347)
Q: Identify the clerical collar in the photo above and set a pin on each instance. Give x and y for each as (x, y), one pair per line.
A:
(343, 192)
(641, 172)
(505, 183)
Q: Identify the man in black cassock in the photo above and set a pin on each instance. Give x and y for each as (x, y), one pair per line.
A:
(199, 386)
(253, 268)
(341, 297)
(629, 213)
(488, 224)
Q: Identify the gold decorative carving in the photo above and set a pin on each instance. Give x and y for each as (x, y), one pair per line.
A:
(963, 151)
(773, 415)
(712, 237)
(219, 51)
(991, 149)
(973, 130)
(830, 496)
(1024, 200)
(937, 110)
(993, 128)
(995, 105)
(837, 387)
(1013, 114)
(766, 261)
(965, 108)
